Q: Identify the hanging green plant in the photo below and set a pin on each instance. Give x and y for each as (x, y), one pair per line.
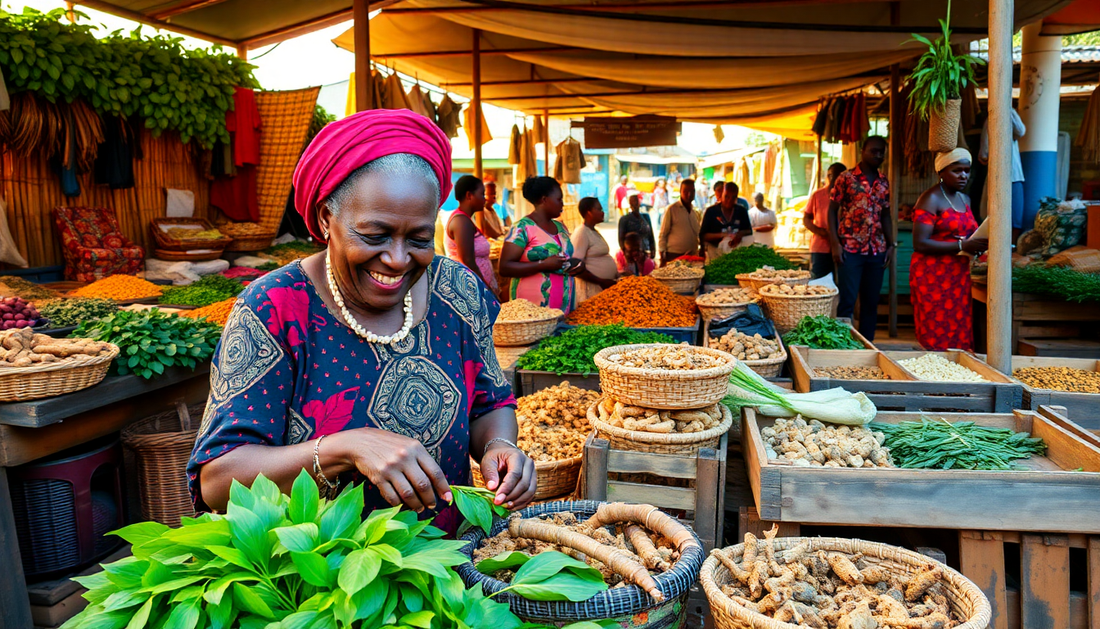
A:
(940, 75)
(156, 78)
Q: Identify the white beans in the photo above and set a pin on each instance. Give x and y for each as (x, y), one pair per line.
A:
(938, 368)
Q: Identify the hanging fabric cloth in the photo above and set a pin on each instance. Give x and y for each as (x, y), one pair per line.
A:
(114, 162)
(1088, 137)
(822, 117)
(394, 93)
(416, 101)
(527, 144)
(429, 106)
(569, 160)
(468, 125)
(448, 115)
(719, 134)
(540, 131)
(515, 146)
(237, 196)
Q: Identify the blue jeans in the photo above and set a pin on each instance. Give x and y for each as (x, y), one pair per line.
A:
(860, 277)
(821, 264)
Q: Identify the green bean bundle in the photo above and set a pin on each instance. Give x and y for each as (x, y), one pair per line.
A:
(941, 445)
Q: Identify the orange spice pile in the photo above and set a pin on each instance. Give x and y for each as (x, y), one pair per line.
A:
(215, 313)
(637, 302)
(119, 288)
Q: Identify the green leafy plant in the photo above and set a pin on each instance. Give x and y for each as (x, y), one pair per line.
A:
(726, 268)
(547, 576)
(941, 445)
(573, 351)
(208, 290)
(940, 75)
(822, 332)
(156, 78)
(66, 312)
(291, 562)
(152, 340)
(1064, 282)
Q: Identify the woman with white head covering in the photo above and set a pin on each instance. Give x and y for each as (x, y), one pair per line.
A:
(939, 275)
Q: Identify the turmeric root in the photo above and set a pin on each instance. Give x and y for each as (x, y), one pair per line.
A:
(749, 555)
(919, 583)
(769, 543)
(737, 571)
(645, 548)
(845, 569)
(647, 516)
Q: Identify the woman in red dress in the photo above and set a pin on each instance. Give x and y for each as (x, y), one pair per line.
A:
(939, 276)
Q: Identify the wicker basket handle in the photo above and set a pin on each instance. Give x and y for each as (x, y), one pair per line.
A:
(185, 416)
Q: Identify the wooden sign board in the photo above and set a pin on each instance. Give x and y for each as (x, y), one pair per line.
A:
(639, 131)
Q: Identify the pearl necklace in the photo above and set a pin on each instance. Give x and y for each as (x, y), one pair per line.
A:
(350, 321)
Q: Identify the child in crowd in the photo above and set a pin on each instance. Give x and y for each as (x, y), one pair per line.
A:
(633, 259)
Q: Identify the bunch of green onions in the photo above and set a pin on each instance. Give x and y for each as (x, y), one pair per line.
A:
(941, 445)
(837, 406)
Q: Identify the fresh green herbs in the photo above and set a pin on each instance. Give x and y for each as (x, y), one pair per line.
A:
(822, 332)
(208, 290)
(547, 576)
(65, 312)
(941, 445)
(152, 340)
(1061, 282)
(940, 75)
(725, 269)
(573, 350)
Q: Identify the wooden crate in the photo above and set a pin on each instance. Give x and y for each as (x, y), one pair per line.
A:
(703, 504)
(859, 338)
(1082, 408)
(1007, 393)
(904, 392)
(529, 382)
(1043, 496)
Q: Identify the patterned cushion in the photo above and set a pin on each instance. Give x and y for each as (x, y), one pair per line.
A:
(93, 244)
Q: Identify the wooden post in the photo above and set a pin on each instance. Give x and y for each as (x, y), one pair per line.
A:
(545, 143)
(13, 586)
(364, 92)
(819, 180)
(242, 53)
(476, 103)
(896, 156)
(999, 186)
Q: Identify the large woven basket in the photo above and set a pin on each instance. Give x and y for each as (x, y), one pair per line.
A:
(627, 606)
(19, 384)
(657, 443)
(170, 243)
(756, 283)
(682, 285)
(250, 243)
(710, 313)
(663, 388)
(786, 311)
(963, 596)
(187, 256)
(162, 448)
(769, 367)
(943, 127)
(743, 280)
(555, 478)
(520, 333)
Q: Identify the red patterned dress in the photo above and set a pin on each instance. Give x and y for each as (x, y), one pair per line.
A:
(940, 284)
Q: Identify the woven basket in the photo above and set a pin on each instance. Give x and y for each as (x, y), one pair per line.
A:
(943, 127)
(710, 313)
(519, 333)
(786, 311)
(963, 596)
(19, 384)
(627, 606)
(555, 478)
(663, 388)
(184, 256)
(756, 283)
(743, 280)
(169, 243)
(681, 286)
(657, 443)
(769, 367)
(162, 449)
(287, 116)
(250, 243)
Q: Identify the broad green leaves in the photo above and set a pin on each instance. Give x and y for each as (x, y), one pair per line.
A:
(940, 75)
(144, 338)
(548, 576)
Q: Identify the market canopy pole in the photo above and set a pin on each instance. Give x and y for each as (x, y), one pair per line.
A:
(364, 92)
(897, 153)
(546, 142)
(999, 186)
(475, 102)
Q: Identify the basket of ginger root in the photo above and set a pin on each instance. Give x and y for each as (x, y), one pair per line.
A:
(34, 366)
(834, 583)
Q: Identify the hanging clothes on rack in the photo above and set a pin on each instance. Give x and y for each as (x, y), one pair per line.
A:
(429, 106)
(568, 161)
(540, 131)
(237, 196)
(529, 159)
(448, 116)
(468, 125)
(515, 146)
(416, 101)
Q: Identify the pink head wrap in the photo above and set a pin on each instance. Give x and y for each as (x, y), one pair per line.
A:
(345, 145)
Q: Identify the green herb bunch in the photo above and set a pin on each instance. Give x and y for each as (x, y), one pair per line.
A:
(208, 290)
(573, 351)
(65, 312)
(295, 561)
(940, 75)
(152, 340)
(941, 445)
(172, 88)
(1063, 282)
(725, 269)
(822, 332)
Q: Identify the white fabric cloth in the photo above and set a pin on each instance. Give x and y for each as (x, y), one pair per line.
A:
(9, 252)
(760, 218)
(180, 203)
(943, 160)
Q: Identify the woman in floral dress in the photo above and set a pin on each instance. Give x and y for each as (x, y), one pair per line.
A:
(939, 276)
(537, 253)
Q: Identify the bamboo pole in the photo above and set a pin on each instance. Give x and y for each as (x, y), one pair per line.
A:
(999, 186)
(475, 102)
(896, 157)
(545, 143)
(364, 94)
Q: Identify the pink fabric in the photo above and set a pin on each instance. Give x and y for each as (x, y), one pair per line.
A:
(482, 250)
(626, 269)
(345, 145)
(818, 211)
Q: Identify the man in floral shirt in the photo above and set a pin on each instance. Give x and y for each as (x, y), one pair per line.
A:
(860, 234)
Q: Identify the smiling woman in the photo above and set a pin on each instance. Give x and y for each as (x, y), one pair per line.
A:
(372, 361)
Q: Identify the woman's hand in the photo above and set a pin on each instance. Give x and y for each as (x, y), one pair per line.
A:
(399, 467)
(577, 268)
(510, 474)
(553, 263)
(975, 245)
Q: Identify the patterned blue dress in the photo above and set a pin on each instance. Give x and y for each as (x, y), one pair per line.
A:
(287, 371)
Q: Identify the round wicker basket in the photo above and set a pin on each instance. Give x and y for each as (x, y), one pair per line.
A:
(627, 606)
(519, 333)
(664, 389)
(162, 448)
(743, 280)
(657, 443)
(186, 256)
(786, 311)
(709, 313)
(964, 597)
(681, 285)
(19, 384)
(757, 283)
(769, 367)
(555, 478)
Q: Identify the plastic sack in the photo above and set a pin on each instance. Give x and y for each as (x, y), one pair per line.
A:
(179, 273)
(209, 267)
(1061, 224)
(750, 321)
(251, 261)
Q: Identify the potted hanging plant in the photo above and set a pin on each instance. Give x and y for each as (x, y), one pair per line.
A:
(938, 80)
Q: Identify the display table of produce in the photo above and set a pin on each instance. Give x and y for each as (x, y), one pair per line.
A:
(1073, 383)
(893, 387)
(958, 375)
(1050, 492)
(642, 303)
(1037, 317)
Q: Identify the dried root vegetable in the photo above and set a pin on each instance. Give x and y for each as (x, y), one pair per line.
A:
(553, 423)
(666, 357)
(637, 302)
(523, 310)
(745, 347)
(852, 373)
(727, 297)
(677, 272)
(768, 273)
(21, 347)
(813, 444)
(652, 420)
(800, 289)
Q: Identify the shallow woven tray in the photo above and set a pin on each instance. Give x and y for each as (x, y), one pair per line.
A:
(519, 333)
(658, 443)
(664, 389)
(19, 384)
(786, 311)
(249, 243)
(163, 449)
(171, 243)
(709, 313)
(962, 595)
(555, 478)
(186, 256)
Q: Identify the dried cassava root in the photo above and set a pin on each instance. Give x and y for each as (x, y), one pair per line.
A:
(652, 420)
(833, 590)
(22, 348)
(813, 444)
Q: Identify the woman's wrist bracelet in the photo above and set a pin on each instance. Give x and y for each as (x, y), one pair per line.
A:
(319, 473)
(498, 439)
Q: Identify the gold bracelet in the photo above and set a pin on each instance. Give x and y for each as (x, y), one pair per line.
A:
(317, 471)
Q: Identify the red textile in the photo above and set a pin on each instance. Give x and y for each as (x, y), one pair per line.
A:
(236, 196)
(940, 285)
(93, 244)
(859, 219)
(244, 123)
(345, 145)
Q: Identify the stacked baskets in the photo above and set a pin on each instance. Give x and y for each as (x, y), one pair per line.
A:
(555, 478)
(682, 279)
(176, 249)
(762, 277)
(42, 380)
(786, 311)
(526, 332)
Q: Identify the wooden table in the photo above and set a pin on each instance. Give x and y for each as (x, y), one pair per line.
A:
(1035, 317)
(32, 430)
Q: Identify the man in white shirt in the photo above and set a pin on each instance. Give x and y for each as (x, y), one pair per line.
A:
(763, 222)
(680, 228)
